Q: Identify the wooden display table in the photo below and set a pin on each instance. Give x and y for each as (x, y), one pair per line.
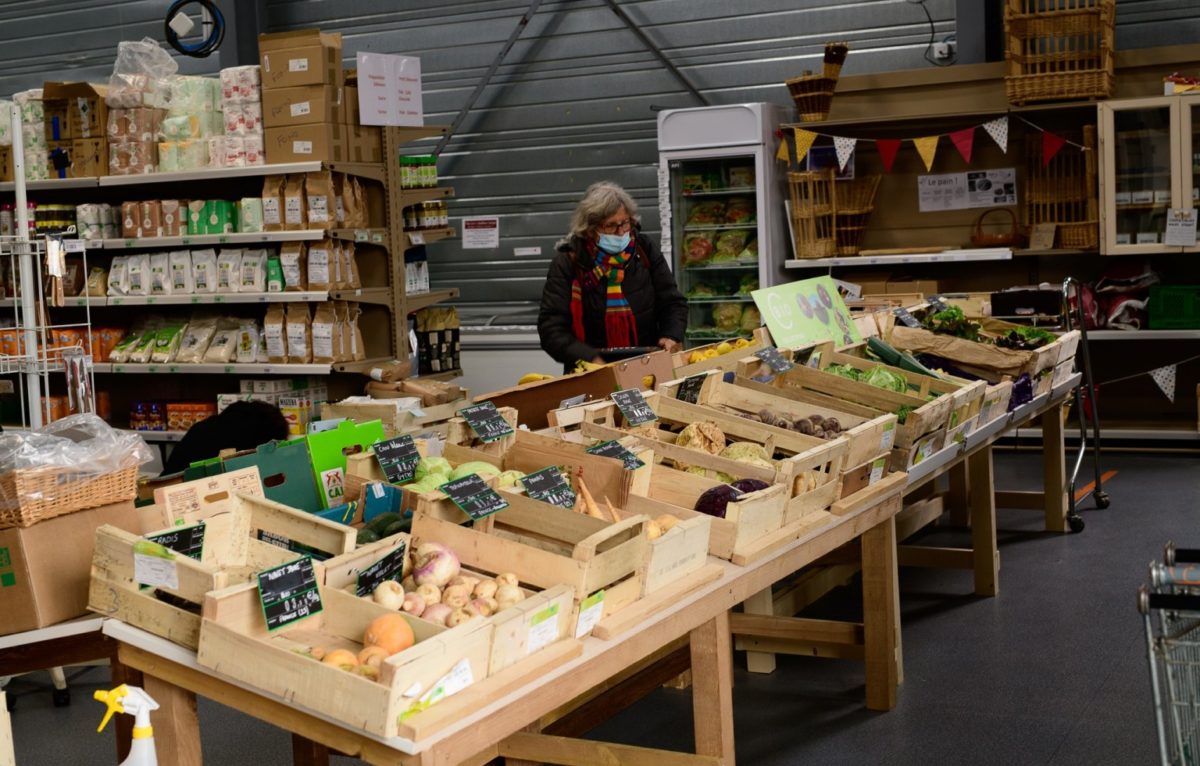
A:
(499, 716)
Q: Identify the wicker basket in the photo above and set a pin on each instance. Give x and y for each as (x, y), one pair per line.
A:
(813, 93)
(814, 213)
(1064, 192)
(855, 203)
(30, 495)
(1059, 49)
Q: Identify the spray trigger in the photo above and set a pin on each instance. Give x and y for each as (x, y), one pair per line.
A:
(114, 699)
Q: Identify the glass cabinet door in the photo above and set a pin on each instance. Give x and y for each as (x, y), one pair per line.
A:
(1190, 134)
(1142, 175)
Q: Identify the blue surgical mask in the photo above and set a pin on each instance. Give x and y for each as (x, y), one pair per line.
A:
(613, 243)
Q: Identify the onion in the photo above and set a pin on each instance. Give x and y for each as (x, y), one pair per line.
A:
(437, 613)
(434, 564)
(456, 596)
(431, 594)
(389, 595)
(413, 603)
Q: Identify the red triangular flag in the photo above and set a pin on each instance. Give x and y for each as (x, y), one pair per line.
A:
(964, 141)
(887, 151)
(1051, 143)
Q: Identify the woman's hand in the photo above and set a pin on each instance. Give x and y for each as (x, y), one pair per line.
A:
(668, 344)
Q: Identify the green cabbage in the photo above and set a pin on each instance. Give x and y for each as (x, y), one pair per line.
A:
(474, 466)
(433, 465)
(844, 371)
(708, 473)
(881, 377)
(511, 478)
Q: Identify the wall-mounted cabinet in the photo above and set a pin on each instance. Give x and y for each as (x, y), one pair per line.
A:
(1148, 166)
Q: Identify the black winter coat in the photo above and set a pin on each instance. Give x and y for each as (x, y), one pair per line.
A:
(659, 309)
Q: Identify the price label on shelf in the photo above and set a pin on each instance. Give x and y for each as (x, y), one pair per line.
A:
(573, 401)
(390, 567)
(936, 305)
(474, 497)
(398, 458)
(377, 237)
(633, 406)
(774, 359)
(549, 486)
(188, 541)
(74, 245)
(288, 593)
(906, 319)
(361, 235)
(689, 390)
(617, 451)
(416, 238)
(485, 420)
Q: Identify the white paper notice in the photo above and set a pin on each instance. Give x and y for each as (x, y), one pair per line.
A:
(155, 571)
(543, 632)
(960, 191)
(389, 90)
(480, 233)
(1181, 227)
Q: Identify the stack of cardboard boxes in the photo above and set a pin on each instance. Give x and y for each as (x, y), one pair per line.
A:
(306, 108)
(76, 120)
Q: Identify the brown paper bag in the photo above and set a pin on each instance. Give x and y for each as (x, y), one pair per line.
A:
(298, 329)
(275, 335)
(326, 335)
(320, 261)
(319, 200)
(294, 212)
(272, 199)
(294, 261)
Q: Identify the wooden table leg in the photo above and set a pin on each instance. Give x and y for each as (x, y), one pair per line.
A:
(880, 615)
(762, 603)
(176, 726)
(983, 523)
(123, 723)
(1054, 469)
(712, 688)
(8, 756)
(958, 497)
(512, 760)
(305, 752)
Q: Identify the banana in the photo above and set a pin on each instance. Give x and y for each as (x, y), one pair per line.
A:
(583, 365)
(648, 382)
(533, 377)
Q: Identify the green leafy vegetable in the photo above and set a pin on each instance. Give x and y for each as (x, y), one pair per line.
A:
(902, 413)
(845, 371)
(881, 377)
(952, 321)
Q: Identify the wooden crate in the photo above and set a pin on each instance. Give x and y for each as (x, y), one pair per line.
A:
(543, 549)
(458, 432)
(863, 475)
(234, 549)
(995, 401)
(234, 642)
(396, 422)
(727, 361)
(867, 437)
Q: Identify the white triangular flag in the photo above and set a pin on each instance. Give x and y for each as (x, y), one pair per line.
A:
(998, 130)
(1165, 378)
(844, 147)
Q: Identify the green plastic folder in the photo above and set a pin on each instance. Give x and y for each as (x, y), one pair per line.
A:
(286, 471)
(329, 450)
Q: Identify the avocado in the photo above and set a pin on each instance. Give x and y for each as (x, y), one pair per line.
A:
(366, 535)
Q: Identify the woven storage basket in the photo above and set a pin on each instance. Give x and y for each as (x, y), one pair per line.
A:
(814, 213)
(813, 93)
(30, 495)
(1059, 49)
(1064, 192)
(855, 203)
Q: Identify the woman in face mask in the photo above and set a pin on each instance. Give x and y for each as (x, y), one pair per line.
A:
(608, 286)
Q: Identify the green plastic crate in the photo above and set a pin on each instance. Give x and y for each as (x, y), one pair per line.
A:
(1174, 307)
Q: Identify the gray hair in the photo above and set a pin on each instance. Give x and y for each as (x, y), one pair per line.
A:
(601, 200)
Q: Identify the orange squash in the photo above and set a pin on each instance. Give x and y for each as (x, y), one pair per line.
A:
(391, 632)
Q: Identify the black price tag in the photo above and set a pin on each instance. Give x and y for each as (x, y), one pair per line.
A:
(390, 567)
(615, 449)
(689, 390)
(775, 360)
(398, 458)
(906, 319)
(550, 486)
(288, 593)
(486, 422)
(474, 497)
(634, 406)
(188, 541)
(936, 305)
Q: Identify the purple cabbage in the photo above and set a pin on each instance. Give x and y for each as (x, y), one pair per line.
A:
(714, 501)
(750, 485)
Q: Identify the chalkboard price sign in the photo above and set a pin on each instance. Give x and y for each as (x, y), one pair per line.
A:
(390, 567)
(398, 458)
(937, 305)
(689, 390)
(634, 407)
(615, 449)
(288, 593)
(474, 497)
(486, 422)
(549, 486)
(906, 319)
(774, 359)
(188, 541)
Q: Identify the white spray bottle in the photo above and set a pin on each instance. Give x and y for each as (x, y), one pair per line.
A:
(135, 702)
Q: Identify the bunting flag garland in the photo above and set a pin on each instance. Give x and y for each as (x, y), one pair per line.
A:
(804, 142)
(1051, 143)
(887, 151)
(998, 130)
(783, 153)
(964, 142)
(927, 148)
(1165, 378)
(844, 148)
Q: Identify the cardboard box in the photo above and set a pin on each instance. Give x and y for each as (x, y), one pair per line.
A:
(364, 143)
(303, 57)
(303, 105)
(923, 286)
(324, 142)
(74, 110)
(89, 158)
(350, 114)
(45, 569)
(6, 163)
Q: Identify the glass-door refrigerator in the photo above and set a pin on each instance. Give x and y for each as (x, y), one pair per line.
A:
(721, 205)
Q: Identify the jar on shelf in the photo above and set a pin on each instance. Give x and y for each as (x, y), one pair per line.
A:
(410, 218)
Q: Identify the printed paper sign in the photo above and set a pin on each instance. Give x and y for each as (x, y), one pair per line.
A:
(961, 191)
(1181, 227)
(389, 90)
(480, 233)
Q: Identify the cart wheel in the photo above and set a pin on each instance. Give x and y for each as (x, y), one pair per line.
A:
(1075, 522)
(1102, 500)
(61, 697)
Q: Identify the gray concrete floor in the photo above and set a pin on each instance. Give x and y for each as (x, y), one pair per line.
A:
(1053, 671)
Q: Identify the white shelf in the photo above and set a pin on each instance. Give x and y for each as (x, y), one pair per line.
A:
(214, 369)
(235, 238)
(214, 298)
(1071, 431)
(1143, 335)
(53, 183)
(210, 174)
(949, 256)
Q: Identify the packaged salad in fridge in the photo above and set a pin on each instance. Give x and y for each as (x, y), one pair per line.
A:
(697, 249)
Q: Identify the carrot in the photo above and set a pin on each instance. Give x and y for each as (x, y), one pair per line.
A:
(588, 502)
(616, 519)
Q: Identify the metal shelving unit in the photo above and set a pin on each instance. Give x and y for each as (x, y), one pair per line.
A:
(947, 256)
(193, 240)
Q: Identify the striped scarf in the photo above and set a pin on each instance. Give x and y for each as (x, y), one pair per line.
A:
(620, 326)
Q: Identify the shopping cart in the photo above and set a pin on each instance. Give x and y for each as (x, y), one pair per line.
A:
(1170, 606)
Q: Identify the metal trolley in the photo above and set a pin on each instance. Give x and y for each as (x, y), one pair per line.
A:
(1170, 606)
